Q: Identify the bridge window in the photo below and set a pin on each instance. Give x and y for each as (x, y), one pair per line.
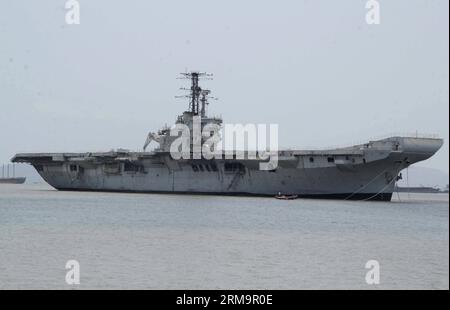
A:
(331, 159)
(73, 168)
(214, 167)
(311, 159)
(232, 167)
(130, 167)
(205, 167)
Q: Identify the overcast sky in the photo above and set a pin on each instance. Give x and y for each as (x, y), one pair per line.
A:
(314, 67)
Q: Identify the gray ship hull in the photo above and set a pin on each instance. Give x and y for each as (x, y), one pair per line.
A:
(362, 172)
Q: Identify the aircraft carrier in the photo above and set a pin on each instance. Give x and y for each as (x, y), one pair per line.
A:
(365, 171)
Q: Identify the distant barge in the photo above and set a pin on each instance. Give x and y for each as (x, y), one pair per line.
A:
(423, 190)
(12, 180)
(6, 179)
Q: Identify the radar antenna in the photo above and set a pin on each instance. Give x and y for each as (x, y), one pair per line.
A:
(204, 100)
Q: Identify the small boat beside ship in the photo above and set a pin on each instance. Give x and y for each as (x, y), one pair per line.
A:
(286, 197)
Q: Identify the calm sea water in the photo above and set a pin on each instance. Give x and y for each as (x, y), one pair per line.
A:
(142, 241)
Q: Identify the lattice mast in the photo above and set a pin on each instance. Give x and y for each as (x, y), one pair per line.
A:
(198, 97)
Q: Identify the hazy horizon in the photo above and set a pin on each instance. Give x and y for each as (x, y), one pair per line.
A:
(313, 67)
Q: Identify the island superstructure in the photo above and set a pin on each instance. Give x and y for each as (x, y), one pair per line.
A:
(366, 171)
